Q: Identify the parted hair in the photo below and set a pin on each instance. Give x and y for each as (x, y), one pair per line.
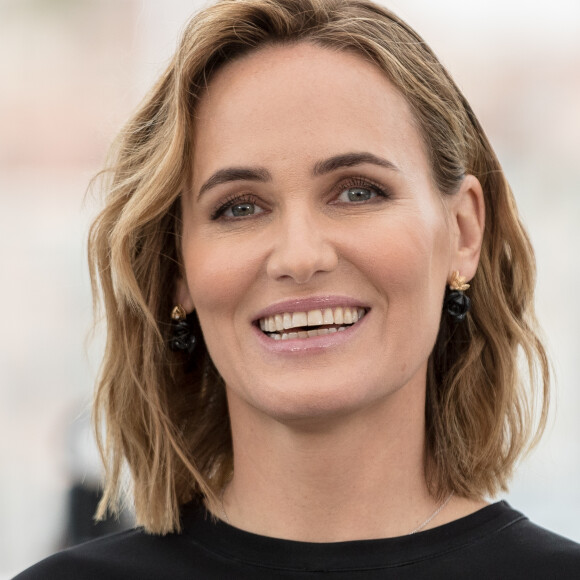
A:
(164, 419)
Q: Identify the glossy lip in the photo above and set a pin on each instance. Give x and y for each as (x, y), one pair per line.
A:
(310, 303)
(315, 343)
(308, 345)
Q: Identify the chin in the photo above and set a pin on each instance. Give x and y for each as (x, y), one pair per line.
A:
(313, 402)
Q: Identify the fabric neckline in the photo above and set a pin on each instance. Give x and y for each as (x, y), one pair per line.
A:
(229, 542)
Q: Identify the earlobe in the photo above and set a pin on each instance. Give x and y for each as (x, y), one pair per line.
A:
(469, 216)
(183, 296)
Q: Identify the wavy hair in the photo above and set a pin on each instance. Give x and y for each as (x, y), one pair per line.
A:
(165, 418)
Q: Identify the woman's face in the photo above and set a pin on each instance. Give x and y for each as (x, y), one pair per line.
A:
(312, 204)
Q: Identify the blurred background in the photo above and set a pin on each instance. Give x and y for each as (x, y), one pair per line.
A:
(71, 71)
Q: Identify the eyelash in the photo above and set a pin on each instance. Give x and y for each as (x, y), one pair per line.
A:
(363, 183)
(351, 183)
(230, 201)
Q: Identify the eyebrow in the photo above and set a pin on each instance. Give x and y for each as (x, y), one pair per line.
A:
(350, 160)
(261, 174)
(235, 174)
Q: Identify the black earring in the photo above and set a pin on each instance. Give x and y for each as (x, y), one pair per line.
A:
(182, 337)
(456, 302)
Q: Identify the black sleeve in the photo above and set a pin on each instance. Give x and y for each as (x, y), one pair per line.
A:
(61, 566)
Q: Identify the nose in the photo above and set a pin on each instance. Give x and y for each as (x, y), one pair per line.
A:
(301, 249)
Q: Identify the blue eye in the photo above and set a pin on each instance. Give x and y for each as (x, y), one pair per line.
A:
(242, 210)
(238, 207)
(359, 190)
(357, 194)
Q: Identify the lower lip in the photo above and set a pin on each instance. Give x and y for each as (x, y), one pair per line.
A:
(308, 345)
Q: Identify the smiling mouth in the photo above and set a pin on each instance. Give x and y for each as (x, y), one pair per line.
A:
(292, 325)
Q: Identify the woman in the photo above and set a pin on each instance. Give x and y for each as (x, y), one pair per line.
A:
(316, 288)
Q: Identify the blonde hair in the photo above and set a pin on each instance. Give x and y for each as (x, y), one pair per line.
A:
(166, 418)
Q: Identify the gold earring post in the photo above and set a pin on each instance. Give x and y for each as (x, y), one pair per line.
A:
(178, 313)
(457, 282)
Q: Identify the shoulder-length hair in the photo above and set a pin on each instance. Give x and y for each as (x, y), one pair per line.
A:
(165, 417)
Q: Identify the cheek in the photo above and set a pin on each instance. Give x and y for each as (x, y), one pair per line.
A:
(216, 277)
(408, 253)
(408, 264)
(218, 272)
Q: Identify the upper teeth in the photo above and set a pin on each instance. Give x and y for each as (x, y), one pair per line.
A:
(286, 320)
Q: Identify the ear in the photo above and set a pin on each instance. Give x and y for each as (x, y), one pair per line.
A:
(467, 211)
(183, 296)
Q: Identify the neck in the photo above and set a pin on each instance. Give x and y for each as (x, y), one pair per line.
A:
(358, 476)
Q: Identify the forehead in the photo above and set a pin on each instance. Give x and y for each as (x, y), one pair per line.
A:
(302, 101)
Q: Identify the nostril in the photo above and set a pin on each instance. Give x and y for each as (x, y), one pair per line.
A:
(299, 259)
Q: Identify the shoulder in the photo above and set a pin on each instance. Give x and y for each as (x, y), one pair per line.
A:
(120, 556)
(522, 549)
(539, 544)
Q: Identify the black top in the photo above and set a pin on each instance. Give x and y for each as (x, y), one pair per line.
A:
(495, 542)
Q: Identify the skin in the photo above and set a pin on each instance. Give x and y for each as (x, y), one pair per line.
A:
(328, 442)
